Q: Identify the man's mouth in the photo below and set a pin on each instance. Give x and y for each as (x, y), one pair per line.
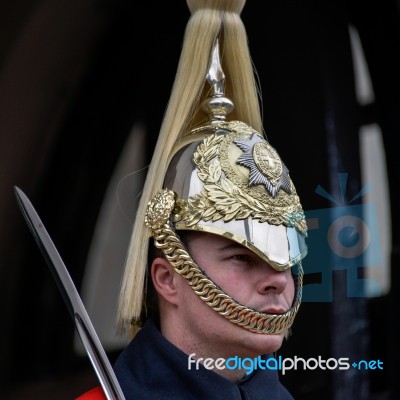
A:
(274, 310)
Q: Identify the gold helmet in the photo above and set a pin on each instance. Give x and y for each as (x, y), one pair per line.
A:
(218, 176)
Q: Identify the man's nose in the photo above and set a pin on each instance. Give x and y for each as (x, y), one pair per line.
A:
(271, 280)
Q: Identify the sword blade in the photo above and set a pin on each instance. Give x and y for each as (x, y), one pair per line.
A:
(83, 324)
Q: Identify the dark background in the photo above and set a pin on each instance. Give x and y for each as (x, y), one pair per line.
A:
(75, 76)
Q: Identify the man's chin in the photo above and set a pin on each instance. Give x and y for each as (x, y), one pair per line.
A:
(265, 343)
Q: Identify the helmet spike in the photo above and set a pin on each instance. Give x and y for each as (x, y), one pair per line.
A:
(217, 106)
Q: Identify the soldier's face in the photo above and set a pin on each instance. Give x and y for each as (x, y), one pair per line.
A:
(246, 278)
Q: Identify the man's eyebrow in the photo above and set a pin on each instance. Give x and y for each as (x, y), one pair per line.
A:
(232, 245)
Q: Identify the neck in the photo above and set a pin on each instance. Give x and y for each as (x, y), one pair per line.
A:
(198, 354)
(232, 375)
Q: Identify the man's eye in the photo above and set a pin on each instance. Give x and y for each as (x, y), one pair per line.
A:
(241, 257)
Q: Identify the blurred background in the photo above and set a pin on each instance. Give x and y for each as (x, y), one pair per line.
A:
(83, 88)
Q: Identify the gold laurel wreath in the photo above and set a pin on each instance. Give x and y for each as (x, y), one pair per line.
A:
(222, 199)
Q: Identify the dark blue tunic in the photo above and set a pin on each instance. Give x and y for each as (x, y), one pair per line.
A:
(152, 368)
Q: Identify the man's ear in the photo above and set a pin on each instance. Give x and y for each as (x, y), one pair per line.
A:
(163, 276)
